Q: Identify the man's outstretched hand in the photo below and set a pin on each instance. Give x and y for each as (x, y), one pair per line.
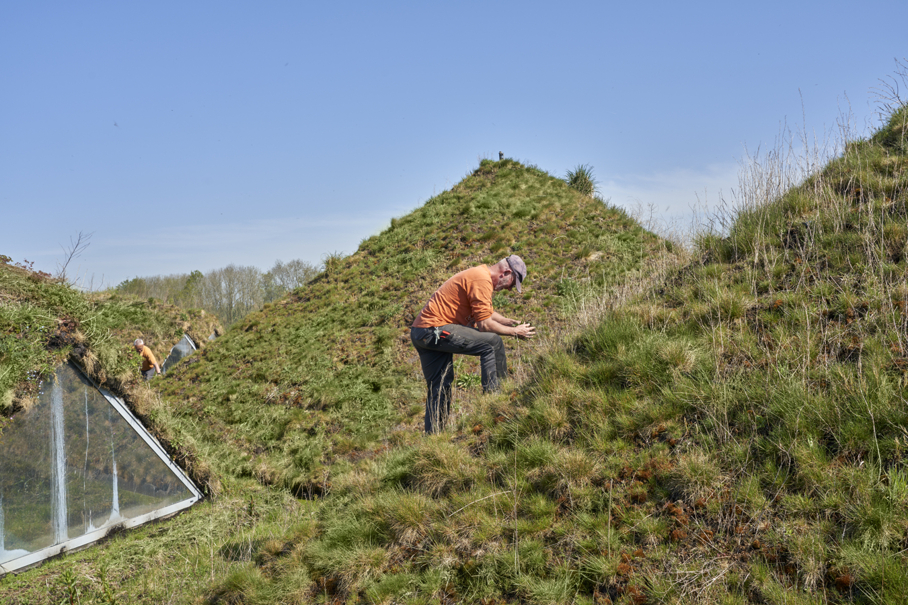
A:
(524, 331)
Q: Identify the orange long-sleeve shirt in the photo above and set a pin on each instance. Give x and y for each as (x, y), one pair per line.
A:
(148, 358)
(464, 299)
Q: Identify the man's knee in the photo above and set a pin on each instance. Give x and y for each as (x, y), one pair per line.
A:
(490, 341)
(498, 343)
(497, 349)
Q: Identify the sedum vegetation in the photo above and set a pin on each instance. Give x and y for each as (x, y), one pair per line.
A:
(724, 426)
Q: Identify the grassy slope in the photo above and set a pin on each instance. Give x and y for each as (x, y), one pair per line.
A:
(736, 435)
(304, 393)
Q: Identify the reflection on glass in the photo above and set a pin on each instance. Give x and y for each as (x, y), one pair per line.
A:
(179, 351)
(72, 464)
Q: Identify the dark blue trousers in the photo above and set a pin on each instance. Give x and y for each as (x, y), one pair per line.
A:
(437, 347)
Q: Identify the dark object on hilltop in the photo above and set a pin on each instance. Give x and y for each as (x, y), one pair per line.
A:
(500, 155)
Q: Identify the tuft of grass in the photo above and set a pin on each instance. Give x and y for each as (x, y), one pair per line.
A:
(439, 467)
(581, 180)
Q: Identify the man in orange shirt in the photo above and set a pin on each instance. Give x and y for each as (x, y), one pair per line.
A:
(459, 318)
(149, 363)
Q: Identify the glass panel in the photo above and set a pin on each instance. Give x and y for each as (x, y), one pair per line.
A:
(72, 464)
(178, 352)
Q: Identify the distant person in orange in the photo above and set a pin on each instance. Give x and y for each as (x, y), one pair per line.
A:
(149, 363)
(459, 319)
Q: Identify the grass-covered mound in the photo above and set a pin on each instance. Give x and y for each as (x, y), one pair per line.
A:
(329, 373)
(299, 399)
(737, 435)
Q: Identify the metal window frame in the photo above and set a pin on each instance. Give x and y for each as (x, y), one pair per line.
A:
(85, 540)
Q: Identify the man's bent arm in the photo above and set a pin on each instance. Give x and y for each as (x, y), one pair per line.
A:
(504, 320)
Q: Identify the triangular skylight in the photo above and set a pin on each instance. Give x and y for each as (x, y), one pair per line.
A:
(179, 351)
(76, 465)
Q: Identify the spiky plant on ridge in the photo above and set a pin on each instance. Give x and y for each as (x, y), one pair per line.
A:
(581, 179)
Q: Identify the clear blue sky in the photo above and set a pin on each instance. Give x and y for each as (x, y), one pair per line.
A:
(192, 135)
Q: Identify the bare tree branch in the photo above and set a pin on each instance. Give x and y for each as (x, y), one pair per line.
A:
(74, 250)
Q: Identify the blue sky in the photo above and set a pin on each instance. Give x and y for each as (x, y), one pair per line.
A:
(192, 135)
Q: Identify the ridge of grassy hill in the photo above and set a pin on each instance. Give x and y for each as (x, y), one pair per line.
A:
(330, 371)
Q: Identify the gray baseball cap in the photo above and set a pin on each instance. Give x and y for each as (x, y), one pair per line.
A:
(519, 268)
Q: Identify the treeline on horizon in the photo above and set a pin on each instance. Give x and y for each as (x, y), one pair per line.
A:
(231, 292)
